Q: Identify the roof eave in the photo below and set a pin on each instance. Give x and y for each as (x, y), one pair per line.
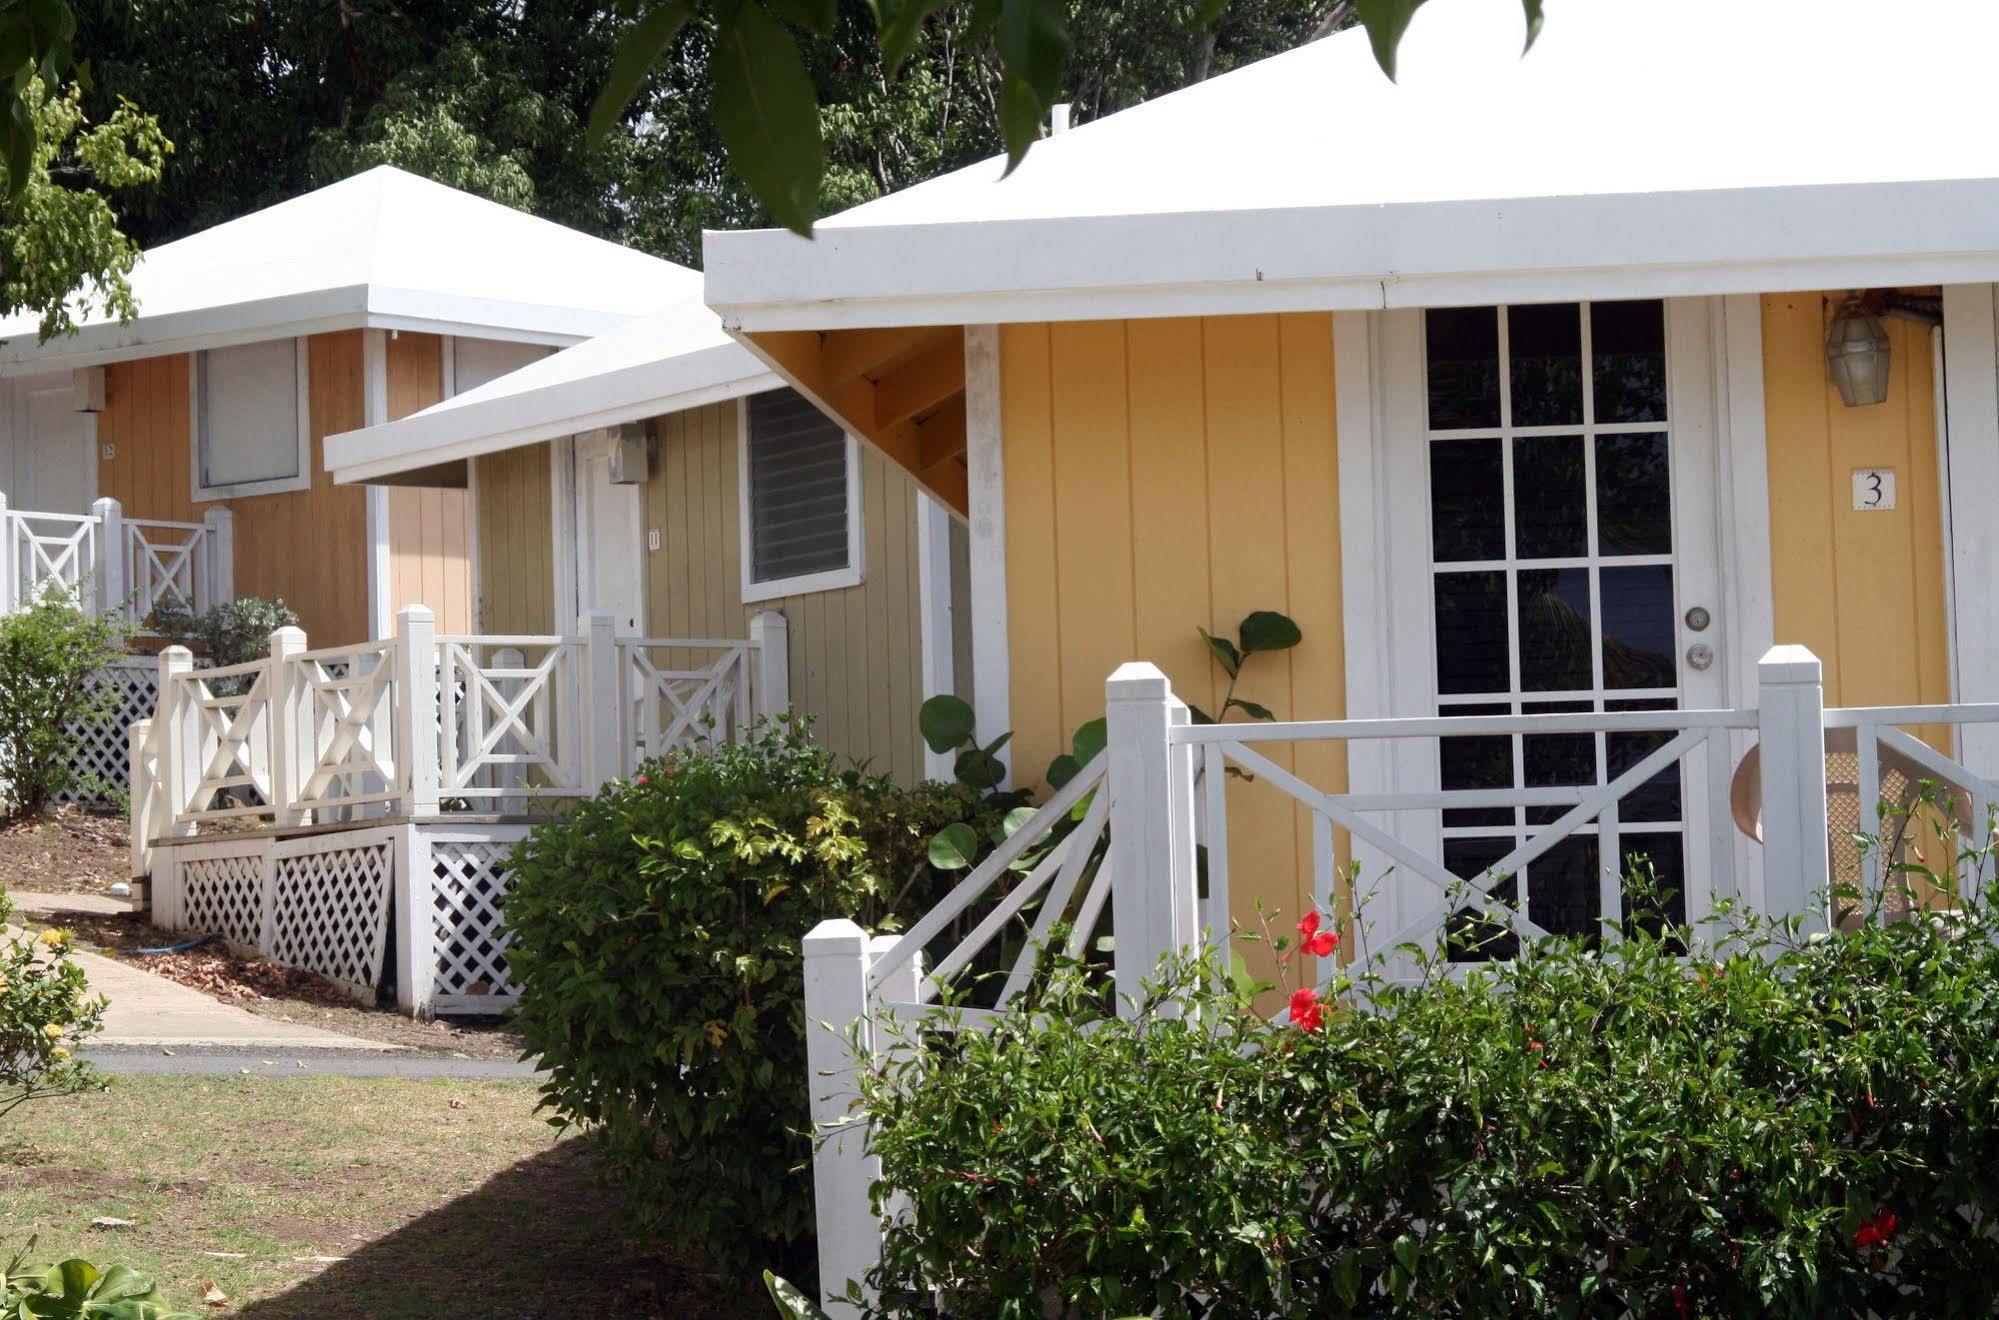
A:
(1339, 258)
(511, 421)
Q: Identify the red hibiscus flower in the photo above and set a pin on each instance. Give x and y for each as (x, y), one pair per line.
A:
(1875, 1232)
(1314, 941)
(1306, 1012)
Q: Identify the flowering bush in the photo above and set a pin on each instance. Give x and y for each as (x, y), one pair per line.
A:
(1765, 1124)
(656, 936)
(45, 1012)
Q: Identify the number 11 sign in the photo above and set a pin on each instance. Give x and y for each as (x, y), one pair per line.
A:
(1873, 488)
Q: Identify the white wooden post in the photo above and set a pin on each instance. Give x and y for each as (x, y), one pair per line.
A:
(290, 714)
(771, 634)
(221, 558)
(108, 572)
(416, 956)
(836, 1006)
(1791, 733)
(180, 740)
(1154, 893)
(603, 700)
(139, 786)
(416, 709)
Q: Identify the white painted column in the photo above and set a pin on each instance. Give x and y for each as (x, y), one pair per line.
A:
(933, 574)
(290, 714)
(416, 746)
(1971, 402)
(985, 461)
(1155, 907)
(836, 1006)
(108, 572)
(374, 412)
(9, 583)
(1791, 731)
(416, 955)
(772, 635)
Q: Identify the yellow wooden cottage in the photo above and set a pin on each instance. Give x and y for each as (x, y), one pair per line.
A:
(1557, 388)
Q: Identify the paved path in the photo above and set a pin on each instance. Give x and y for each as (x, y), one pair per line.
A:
(151, 1011)
(220, 1061)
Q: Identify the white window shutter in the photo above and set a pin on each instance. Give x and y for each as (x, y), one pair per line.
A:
(249, 413)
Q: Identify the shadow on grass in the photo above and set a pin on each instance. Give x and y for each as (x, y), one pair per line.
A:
(542, 1239)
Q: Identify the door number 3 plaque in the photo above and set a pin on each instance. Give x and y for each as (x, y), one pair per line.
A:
(1873, 488)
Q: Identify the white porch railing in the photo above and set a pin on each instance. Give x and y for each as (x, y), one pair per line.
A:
(127, 565)
(1770, 802)
(419, 726)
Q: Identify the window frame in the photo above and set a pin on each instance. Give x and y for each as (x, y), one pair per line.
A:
(803, 584)
(204, 493)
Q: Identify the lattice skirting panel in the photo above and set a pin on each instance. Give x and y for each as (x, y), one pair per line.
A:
(467, 874)
(324, 902)
(330, 905)
(320, 903)
(101, 757)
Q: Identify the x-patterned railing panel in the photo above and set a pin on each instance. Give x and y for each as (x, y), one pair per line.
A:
(231, 708)
(1433, 895)
(671, 704)
(167, 561)
(49, 550)
(350, 702)
(508, 720)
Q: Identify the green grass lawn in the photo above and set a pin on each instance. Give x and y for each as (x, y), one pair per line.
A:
(329, 1197)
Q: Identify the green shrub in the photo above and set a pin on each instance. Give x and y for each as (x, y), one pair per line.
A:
(655, 933)
(1768, 1125)
(45, 1014)
(49, 652)
(76, 1289)
(232, 633)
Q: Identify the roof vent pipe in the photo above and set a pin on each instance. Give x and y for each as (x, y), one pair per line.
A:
(1058, 119)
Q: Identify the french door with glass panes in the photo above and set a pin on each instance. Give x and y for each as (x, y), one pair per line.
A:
(1561, 511)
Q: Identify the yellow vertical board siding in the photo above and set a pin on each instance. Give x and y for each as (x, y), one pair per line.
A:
(515, 525)
(1165, 475)
(429, 541)
(855, 666)
(1863, 589)
(308, 547)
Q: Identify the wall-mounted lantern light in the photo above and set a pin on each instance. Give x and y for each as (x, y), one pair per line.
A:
(1856, 351)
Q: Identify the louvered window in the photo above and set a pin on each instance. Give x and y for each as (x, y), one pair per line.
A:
(800, 504)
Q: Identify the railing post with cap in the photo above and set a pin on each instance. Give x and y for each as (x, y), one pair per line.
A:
(180, 740)
(836, 1022)
(1154, 894)
(290, 714)
(1791, 740)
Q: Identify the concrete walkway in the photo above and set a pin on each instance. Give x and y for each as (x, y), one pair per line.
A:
(218, 1061)
(151, 1011)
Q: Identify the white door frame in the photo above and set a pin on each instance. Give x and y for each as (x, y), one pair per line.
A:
(1968, 431)
(1720, 496)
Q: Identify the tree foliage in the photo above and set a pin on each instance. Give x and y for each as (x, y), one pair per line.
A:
(62, 254)
(267, 102)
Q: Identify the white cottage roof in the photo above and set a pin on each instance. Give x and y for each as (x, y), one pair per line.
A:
(382, 249)
(677, 359)
(1642, 147)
